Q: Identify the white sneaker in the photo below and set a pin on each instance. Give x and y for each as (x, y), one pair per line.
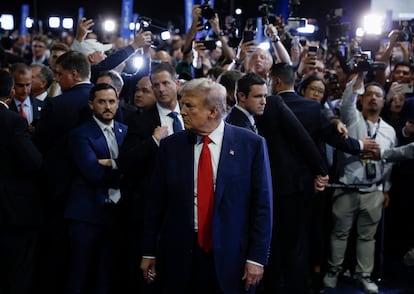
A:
(330, 279)
(366, 283)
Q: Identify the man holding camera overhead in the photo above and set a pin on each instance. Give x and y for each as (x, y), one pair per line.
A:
(366, 184)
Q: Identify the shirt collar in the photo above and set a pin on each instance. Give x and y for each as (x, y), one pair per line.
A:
(4, 103)
(248, 114)
(215, 136)
(165, 111)
(102, 125)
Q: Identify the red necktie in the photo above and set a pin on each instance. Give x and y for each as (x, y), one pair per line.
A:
(205, 197)
(22, 112)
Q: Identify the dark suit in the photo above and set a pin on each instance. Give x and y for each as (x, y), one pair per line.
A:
(59, 116)
(20, 203)
(136, 161)
(237, 118)
(241, 217)
(295, 160)
(322, 131)
(94, 232)
(37, 106)
(311, 116)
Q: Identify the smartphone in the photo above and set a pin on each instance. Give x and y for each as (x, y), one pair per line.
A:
(407, 88)
(312, 50)
(209, 44)
(248, 36)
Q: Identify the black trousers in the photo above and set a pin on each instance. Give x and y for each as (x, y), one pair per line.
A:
(17, 260)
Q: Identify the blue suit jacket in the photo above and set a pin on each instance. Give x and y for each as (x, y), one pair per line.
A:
(242, 217)
(89, 188)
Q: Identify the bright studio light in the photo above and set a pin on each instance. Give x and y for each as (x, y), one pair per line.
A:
(7, 21)
(308, 29)
(67, 23)
(109, 25)
(373, 24)
(54, 22)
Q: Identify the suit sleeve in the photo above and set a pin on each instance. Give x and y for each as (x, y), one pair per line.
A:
(260, 231)
(26, 152)
(86, 160)
(299, 136)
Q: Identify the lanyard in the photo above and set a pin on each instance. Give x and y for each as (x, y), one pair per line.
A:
(376, 129)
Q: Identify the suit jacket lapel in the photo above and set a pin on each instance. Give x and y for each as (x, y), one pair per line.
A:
(226, 162)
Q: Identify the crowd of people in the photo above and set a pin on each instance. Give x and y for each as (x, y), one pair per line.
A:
(223, 169)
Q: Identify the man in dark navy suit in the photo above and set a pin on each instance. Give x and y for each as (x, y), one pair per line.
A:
(23, 103)
(251, 91)
(59, 116)
(20, 201)
(92, 209)
(225, 252)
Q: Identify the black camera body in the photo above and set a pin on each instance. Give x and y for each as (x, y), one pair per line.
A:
(370, 170)
(361, 62)
(207, 11)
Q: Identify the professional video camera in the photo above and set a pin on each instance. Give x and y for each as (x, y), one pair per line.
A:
(146, 24)
(207, 12)
(361, 61)
(265, 8)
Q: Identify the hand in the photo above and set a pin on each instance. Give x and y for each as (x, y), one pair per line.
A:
(160, 133)
(320, 183)
(386, 199)
(341, 127)
(408, 128)
(105, 162)
(395, 89)
(142, 39)
(148, 269)
(253, 274)
(84, 28)
(215, 24)
(370, 145)
(271, 32)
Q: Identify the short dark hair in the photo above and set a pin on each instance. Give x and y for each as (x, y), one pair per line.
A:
(19, 68)
(46, 74)
(100, 87)
(73, 60)
(248, 80)
(6, 83)
(376, 84)
(164, 67)
(114, 76)
(59, 46)
(284, 72)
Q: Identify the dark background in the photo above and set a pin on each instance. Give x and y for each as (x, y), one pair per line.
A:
(171, 12)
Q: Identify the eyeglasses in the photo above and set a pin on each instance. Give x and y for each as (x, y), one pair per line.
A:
(316, 90)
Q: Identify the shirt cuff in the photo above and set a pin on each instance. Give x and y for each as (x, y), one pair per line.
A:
(255, 263)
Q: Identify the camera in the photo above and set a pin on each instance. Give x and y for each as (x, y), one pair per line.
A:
(370, 170)
(248, 36)
(207, 11)
(209, 44)
(362, 62)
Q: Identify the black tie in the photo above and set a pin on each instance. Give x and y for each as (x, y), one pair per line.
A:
(176, 122)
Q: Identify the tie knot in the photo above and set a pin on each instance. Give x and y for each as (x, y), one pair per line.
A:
(206, 140)
(173, 114)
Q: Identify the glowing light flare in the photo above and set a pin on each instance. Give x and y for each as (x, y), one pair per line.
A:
(54, 22)
(373, 24)
(109, 25)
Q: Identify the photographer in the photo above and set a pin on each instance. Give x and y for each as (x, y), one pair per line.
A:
(366, 183)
